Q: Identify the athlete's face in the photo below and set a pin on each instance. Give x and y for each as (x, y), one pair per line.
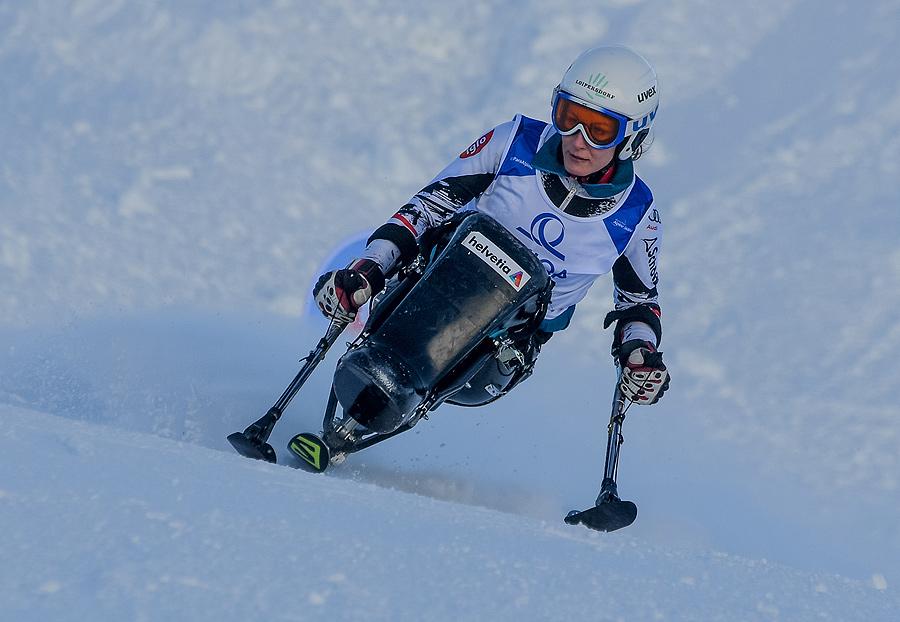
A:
(580, 159)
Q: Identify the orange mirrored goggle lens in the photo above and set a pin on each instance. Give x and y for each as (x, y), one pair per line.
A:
(602, 129)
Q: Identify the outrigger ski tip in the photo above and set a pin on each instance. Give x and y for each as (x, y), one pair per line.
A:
(312, 451)
(607, 516)
(609, 512)
(251, 448)
(253, 442)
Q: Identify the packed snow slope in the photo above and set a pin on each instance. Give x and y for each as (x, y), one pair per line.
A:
(116, 525)
(176, 173)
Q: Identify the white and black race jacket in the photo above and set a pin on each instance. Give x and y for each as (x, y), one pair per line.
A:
(514, 173)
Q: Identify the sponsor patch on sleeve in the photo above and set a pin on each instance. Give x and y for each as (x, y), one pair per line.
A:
(476, 147)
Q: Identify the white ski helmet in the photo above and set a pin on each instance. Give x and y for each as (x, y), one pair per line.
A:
(617, 81)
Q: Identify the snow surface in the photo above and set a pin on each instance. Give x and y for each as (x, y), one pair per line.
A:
(174, 531)
(177, 172)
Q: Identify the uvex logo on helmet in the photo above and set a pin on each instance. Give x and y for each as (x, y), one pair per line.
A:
(642, 97)
(643, 122)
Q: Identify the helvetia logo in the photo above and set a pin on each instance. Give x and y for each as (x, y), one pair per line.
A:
(502, 264)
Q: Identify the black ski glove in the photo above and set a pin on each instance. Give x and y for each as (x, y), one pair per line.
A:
(340, 293)
(644, 375)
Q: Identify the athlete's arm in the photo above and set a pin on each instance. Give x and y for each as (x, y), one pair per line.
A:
(461, 181)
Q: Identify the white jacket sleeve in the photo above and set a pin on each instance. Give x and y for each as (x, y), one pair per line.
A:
(463, 180)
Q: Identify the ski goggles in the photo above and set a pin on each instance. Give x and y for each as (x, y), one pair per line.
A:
(601, 128)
